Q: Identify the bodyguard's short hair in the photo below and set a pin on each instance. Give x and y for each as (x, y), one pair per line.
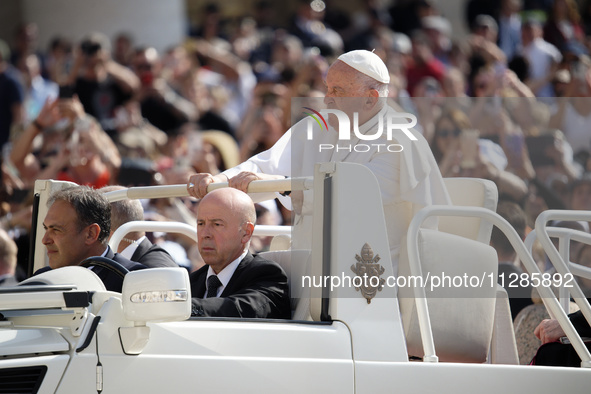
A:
(123, 211)
(91, 207)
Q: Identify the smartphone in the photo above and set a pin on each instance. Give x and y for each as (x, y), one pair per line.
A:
(536, 146)
(469, 147)
(90, 48)
(514, 144)
(66, 91)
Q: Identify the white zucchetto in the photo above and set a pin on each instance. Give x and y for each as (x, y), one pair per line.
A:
(367, 63)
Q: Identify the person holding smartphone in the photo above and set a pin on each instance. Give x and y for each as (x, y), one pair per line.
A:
(74, 147)
(460, 152)
(102, 85)
(159, 103)
(12, 111)
(573, 114)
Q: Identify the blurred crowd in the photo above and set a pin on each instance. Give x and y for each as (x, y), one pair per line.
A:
(508, 102)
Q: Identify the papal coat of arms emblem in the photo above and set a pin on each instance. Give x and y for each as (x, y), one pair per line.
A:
(369, 271)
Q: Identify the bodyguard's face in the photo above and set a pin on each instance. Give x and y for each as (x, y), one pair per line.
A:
(65, 242)
(221, 234)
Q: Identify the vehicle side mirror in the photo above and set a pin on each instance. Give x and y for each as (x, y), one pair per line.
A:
(153, 295)
(156, 295)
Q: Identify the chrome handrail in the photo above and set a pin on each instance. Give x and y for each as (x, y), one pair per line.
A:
(183, 228)
(548, 297)
(564, 235)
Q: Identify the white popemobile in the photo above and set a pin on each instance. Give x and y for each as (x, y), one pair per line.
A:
(62, 332)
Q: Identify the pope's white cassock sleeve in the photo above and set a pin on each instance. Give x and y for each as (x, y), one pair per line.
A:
(409, 179)
(274, 161)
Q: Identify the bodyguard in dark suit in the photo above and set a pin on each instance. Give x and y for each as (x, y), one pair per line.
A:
(151, 255)
(111, 280)
(234, 283)
(135, 246)
(77, 226)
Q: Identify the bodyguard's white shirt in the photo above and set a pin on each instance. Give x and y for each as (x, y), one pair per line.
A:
(225, 275)
(409, 180)
(130, 250)
(576, 127)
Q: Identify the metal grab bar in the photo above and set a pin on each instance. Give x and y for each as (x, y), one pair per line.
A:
(548, 297)
(564, 235)
(166, 191)
(143, 225)
(542, 233)
(183, 228)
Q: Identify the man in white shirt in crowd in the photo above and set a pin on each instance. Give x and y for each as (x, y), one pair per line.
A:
(542, 56)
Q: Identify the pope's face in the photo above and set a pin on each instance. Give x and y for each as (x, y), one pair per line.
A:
(344, 92)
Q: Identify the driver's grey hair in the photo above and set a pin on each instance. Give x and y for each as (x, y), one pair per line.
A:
(91, 207)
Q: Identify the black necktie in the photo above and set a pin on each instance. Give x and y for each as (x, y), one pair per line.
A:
(213, 284)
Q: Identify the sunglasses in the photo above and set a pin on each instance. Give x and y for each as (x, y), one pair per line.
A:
(143, 67)
(445, 133)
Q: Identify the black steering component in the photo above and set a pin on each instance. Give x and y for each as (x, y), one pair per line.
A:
(111, 265)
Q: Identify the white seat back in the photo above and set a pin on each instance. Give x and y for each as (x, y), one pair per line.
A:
(461, 317)
(472, 192)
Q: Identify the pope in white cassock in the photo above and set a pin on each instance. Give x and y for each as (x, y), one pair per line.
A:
(409, 178)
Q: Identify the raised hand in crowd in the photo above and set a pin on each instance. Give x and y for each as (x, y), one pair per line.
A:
(22, 157)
